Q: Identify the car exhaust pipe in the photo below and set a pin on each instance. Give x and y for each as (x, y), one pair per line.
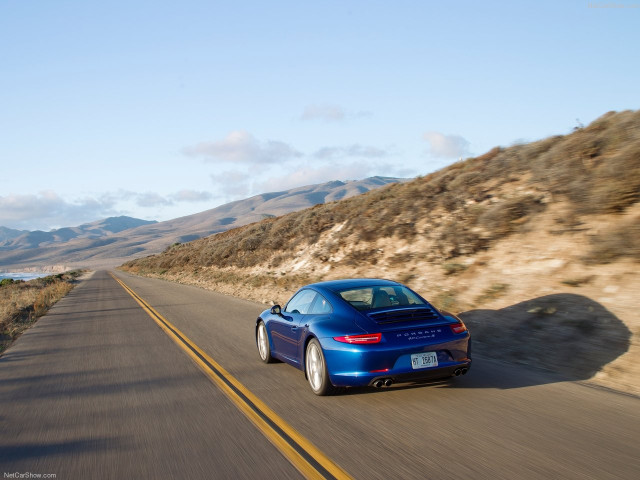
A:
(378, 384)
(457, 372)
(464, 371)
(388, 382)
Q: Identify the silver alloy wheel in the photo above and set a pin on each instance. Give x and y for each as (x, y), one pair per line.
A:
(263, 342)
(315, 366)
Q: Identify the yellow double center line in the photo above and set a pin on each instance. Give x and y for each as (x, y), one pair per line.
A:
(310, 461)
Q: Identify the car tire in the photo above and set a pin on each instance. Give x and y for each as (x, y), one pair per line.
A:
(262, 341)
(316, 369)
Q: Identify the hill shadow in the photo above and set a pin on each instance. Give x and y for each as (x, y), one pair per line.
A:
(567, 335)
(549, 339)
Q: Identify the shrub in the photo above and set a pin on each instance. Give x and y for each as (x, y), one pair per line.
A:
(458, 239)
(503, 218)
(447, 301)
(454, 268)
(623, 241)
(494, 291)
(577, 282)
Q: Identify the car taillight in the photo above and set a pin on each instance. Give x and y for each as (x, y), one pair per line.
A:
(360, 339)
(458, 327)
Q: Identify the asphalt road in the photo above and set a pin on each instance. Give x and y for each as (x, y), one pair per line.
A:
(97, 390)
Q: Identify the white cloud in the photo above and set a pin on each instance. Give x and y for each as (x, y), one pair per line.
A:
(242, 147)
(191, 196)
(446, 146)
(234, 184)
(152, 200)
(330, 113)
(46, 210)
(355, 150)
(310, 175)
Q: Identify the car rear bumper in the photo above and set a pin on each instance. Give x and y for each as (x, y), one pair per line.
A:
(415, 376)
(362, 365)
(370, 379)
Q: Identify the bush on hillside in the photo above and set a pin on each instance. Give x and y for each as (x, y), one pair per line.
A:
(614, 244)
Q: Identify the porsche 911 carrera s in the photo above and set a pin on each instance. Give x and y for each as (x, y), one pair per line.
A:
(363, 332)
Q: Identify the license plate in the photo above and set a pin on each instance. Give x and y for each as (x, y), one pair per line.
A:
(424, 360)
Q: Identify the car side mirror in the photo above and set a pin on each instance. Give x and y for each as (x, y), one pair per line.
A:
(276, 310)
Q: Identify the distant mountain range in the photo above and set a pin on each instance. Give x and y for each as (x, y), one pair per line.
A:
(112, 241)
(7, 234)
(22, 239)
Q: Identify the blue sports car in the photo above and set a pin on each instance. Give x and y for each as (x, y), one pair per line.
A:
(363, 332)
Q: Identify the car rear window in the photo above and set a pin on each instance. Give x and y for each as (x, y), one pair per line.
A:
(370, 298)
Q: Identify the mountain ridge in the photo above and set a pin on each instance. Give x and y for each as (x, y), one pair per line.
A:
(96, 229)
(7, 234)
(106, 251)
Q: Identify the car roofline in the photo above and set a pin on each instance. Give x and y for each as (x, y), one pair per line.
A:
(341, 284)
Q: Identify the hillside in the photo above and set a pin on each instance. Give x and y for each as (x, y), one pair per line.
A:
(537, 245)
(108, 243)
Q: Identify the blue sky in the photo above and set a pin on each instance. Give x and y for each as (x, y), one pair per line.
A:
(159, 109)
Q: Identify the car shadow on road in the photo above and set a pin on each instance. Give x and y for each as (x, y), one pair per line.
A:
(549, 339)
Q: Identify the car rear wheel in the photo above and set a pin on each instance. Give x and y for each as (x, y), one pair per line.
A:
(316, 369)
(262, 339)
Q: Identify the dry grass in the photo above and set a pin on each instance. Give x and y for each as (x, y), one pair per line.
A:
(22, 303)
(611, 245)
